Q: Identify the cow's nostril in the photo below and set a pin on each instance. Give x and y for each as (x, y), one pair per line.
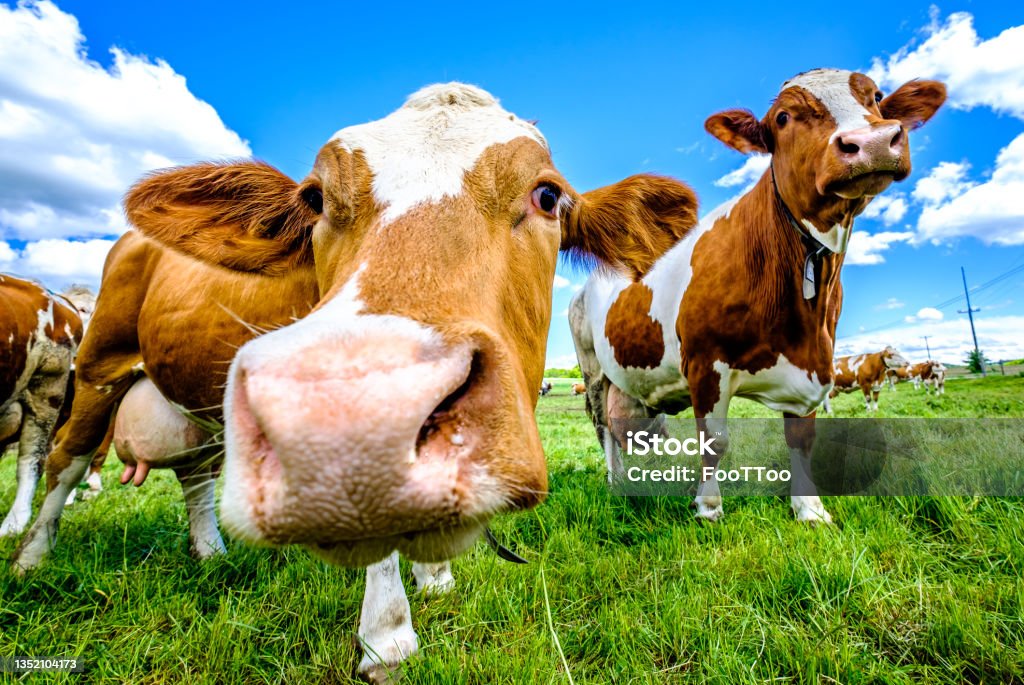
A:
(848, 148)
(896, 139)
(443, 419)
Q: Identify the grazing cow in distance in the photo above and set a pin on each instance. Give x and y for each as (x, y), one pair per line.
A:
(867, 372)
(932, 374)
(39, 333)
(545, 388)
(746, 304)
(578, 388)
(897, 375)
(318, 452)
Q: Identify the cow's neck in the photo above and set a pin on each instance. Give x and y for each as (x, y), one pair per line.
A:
(777, 250)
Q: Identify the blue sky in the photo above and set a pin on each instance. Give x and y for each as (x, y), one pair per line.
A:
(618, 89)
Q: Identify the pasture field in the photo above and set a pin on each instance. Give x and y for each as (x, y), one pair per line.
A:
(901, 590)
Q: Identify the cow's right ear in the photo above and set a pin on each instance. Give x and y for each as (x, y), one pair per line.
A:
(245, 216)
(739, 129)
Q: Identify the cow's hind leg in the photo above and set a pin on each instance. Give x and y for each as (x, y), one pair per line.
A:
(433, 579)
(385, 626)
(75, 446)
(93, 479)
(197, 485)
(41, 403)
(804, 499)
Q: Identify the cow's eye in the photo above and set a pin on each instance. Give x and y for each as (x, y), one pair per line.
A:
(545, 198)
(878, 97)
(314, 197)
(781, 118)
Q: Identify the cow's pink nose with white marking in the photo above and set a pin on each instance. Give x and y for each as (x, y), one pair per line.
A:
(354, 435)
(871, 147)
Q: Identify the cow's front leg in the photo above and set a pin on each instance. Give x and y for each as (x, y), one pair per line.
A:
(713, 423)
(197, 485)
(385, 626)
(804, 499)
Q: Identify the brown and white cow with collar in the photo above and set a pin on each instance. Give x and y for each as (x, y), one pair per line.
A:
(865, 371)
(746, 304)
(39, 333)
(425, 244)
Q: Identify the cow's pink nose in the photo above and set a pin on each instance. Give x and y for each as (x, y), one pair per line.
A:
(873, 147)
(361, 434)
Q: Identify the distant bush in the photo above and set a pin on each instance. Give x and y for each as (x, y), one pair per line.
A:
(574, 372)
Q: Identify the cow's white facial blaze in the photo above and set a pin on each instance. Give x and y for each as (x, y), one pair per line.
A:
(832, 89)
(421, 152)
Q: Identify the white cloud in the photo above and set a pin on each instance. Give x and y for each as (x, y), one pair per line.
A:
(891, 303)
(866, 248)
(950, 340)
(978, 72)
(561, 282)
(890, 209)
(947, 180)
(753, 167)
(991, 211)
(562, 361)
(58, 262)
(74, 135)
(925, 314)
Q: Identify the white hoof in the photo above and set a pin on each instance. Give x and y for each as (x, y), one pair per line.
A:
(386, 653)
(710, 513)
(813, 516)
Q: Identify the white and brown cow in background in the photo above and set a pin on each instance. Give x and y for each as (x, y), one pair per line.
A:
(746, 304)
(896, 376)
(931, 374)
(39, 333)
(868, 372)
(318, 452)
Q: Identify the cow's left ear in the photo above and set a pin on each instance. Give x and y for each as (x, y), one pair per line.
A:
(629, 224)
(914, 102)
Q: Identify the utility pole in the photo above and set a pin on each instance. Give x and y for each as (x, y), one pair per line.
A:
(970, 314)
(929, 357)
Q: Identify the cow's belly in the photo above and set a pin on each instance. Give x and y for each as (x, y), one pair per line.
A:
(783, 387)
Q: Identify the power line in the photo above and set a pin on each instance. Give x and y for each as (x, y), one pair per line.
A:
(970, 314)
(951, 301)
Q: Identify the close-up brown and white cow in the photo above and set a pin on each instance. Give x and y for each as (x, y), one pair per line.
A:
(746, 304)
(419, 252)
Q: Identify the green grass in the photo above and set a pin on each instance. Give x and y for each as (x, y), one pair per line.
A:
(902, 590)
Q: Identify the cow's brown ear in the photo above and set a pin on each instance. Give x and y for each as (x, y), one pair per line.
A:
(629, 224)
(244, 216)
(914, 102)
(739, 129)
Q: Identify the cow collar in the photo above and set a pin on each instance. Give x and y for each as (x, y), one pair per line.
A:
(814, 251)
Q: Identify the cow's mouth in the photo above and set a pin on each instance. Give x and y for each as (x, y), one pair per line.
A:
(866, 184)
(432, 545)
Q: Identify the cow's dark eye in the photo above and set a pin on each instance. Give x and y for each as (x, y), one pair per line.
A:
(545, 198)
(314, 197)
(878, 97)
(781, 118)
